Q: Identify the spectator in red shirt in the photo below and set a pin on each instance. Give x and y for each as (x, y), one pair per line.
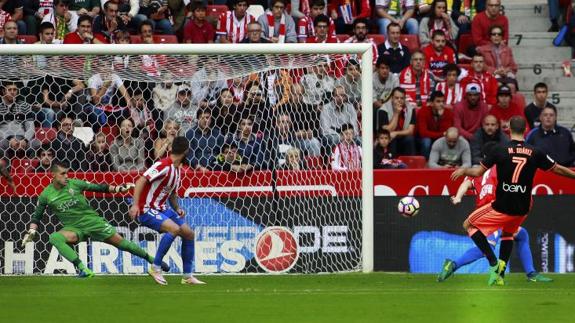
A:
(83, 34)
(469, 113)
(478, 74)
(416, 80)
(198, 30)
(438, 55)
(505, 109)
(433, 121)
(345, 11)
(322, 35)
(305, 25)
(498, 56)
(484, 20)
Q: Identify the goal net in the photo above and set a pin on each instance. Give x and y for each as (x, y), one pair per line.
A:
(273, 181)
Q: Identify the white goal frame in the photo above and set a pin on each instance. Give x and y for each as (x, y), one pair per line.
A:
(362, 49)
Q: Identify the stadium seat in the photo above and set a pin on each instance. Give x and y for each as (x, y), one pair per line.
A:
(377, 38)
(315, 162)
(111, 132)
(45, 135)
(23, 165)
(216, 10)
(410, 41)
(158, 39)
(256, 10)
(27, 39)
(414, 161)
(465, 42)
(342, 38)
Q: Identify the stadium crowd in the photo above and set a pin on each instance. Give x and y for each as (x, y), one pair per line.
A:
(444, 84)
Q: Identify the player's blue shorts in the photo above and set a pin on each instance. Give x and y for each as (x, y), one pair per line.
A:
(153, 219)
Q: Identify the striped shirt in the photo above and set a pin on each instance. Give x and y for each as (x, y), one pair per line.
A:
(229, 26)
(163, 180)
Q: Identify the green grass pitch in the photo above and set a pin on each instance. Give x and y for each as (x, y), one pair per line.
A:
(377, 297)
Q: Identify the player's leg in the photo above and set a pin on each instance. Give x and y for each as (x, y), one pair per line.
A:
(481, 223)
(522, 241)
(61, 240)
(119, 242)
(161, 222)
(187, 235)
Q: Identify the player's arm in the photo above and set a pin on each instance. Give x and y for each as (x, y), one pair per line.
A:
(36, 218)
(138, 189)
(475, 171)
(563, 171)
(175, 205)
(106, 188)
(463, 188)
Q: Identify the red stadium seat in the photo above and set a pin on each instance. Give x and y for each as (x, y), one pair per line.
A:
(158, 39)
(465, 42)
(414, 161)
(165, 39)
(377, 38)
(27, 39)
(410, 41)
(23, 165)
(45, 135)
(342, 38)
(315, 162)
(111, 132)
(216, 10)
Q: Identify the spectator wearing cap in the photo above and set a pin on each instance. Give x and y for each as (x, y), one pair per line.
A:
(505, 108)
(489, 131)
(478, 74)
(183, 110)
(469, 113)
(450, 151)
(433, 121)
(498, 56)
(383, 82)
(197, 30)
(346, 155)
(277, 25)
(334, 115)
(255, 34)
(533, 110)
(552, 138)
(398, 117)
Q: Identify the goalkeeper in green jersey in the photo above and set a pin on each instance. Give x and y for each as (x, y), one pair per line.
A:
(66, 200)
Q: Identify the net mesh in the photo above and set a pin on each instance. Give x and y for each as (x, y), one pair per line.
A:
(273, 177)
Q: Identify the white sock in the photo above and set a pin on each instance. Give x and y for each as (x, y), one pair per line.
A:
(157, 268)
(188, 275)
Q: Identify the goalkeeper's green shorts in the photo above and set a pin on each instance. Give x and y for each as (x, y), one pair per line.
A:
(96, 228)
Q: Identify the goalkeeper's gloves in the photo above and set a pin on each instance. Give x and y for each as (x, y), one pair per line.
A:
(124, 188)
(29, 237)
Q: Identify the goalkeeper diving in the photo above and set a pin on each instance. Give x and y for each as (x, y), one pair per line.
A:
(66, 200)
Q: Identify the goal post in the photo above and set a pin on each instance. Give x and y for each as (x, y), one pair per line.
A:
(244, 52)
